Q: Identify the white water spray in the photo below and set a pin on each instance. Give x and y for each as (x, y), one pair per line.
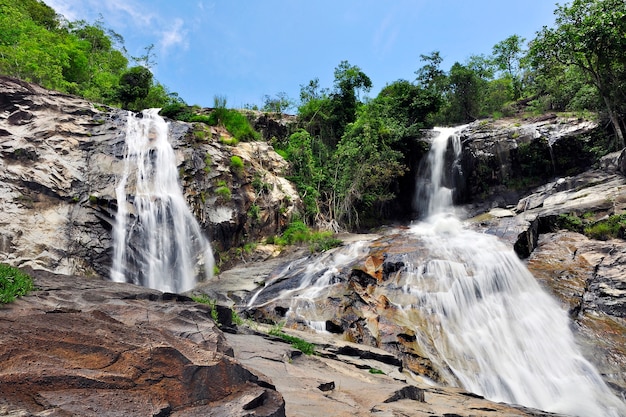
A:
(157, 241)
(499, 332)
(435, 186)
(486, 321)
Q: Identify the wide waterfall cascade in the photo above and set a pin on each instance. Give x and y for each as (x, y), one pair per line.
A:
(157, 241)
(499, 332)
(482, 318)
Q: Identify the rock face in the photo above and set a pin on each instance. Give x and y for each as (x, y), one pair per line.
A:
(60, 158)
(502, 159)
(88, 347)
(587, 276)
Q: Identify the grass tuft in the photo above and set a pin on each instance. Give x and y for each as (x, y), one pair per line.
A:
(13, 283)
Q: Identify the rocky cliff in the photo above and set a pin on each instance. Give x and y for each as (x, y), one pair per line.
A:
(61, 156)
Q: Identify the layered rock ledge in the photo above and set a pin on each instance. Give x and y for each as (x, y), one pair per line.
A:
(88, 347)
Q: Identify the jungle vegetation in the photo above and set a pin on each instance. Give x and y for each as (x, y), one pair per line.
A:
(351, 150)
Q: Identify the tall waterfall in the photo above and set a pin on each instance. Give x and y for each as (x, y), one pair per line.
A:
(499, 332)
(436, 180)
(157, 241)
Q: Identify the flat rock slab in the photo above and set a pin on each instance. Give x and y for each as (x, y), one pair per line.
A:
(332, 384)
(88, 347)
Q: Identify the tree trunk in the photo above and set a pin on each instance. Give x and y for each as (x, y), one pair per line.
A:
(617, 127)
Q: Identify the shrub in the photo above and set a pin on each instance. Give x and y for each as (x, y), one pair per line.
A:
(236, 164)
(612, 227)
(570, 222)
(204, 299)
(236, 123)
(223, 191)
(207, 162)
(13, 283)
(254, 212)
(229, 142)
(298, 232)
(606, 229)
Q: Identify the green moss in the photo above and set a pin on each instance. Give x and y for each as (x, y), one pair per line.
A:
(208, 161)
(229, 141)
(224, 192)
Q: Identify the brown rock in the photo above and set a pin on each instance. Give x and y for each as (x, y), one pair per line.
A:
(94, 348)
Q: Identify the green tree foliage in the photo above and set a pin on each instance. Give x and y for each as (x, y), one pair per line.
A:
(352, 179)
(591, 36)
(134, 85)
(508, 57)
(464, 94)
(73, 57)
(326, 113)
(280, 103)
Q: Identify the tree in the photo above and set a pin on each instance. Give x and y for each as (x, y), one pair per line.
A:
(134, 85)
(465, 94)
(507, 56)
(590, 35)
(349, 81)
(280, 103)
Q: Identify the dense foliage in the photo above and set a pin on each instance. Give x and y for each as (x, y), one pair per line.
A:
(37, 45)
(350, 153)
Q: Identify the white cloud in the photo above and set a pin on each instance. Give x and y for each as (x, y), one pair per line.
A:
(67, 8)
(127, 8)
(174, 36)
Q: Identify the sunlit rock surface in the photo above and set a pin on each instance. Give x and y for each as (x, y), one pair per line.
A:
(87, 347)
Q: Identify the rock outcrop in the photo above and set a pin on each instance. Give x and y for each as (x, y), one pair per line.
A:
(60, 158)
(503, 158)
(88, 347)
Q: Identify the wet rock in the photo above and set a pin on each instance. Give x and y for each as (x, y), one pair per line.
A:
(587, 277)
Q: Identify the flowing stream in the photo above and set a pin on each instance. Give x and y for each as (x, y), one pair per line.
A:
(488, 324)
(156, 239)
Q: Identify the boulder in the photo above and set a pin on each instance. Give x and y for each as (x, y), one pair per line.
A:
(88, 347)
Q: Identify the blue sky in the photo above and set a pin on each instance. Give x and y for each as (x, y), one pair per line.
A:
(245, 49)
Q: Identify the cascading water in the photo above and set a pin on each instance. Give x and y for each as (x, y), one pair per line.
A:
(157, 241)
(480, 315)
(498, 331)
(436, 180)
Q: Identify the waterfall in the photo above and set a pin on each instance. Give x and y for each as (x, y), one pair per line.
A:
(498, 331)
(477, 312)
(435, 183)
(156, 239)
